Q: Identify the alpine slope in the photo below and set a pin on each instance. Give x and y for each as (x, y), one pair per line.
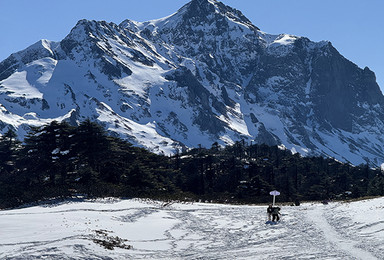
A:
(146, 229)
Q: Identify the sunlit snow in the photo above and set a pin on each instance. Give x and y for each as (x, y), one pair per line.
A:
(17, 85)
(145, 229)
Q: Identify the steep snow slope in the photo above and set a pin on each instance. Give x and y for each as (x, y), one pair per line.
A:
(137, 229)
(201, 75)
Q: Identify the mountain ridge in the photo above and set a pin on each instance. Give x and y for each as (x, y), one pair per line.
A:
(204, 74)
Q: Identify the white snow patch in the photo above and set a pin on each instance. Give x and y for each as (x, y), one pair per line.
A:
(285, 39)
(235, 121)
(140, 80)
(17, 85)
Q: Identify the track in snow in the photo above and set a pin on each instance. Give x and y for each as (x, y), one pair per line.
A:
(346, 245)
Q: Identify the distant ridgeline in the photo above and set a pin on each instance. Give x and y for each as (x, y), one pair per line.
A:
(62, 161)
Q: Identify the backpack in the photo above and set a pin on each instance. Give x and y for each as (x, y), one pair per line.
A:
(276, 210)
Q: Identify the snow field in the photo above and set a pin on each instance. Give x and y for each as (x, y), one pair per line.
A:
(155, 230)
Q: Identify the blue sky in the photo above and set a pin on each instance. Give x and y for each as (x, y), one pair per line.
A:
(355, 27)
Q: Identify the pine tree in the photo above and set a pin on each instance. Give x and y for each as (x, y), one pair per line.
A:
(90, 149)
(9, 146)
(45, 153)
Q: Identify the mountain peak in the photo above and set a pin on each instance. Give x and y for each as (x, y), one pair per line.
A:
(201, 75)
(202, 9)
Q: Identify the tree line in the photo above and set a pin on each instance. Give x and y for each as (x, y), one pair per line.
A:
(61, 161)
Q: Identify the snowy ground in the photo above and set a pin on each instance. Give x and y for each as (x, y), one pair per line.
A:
(137, 229)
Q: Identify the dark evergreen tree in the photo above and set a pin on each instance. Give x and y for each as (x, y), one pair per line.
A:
(40, 157)
(9, 146)
(90, 150)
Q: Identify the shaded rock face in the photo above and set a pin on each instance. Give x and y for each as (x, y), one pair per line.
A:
(205, 74)
(341, 87)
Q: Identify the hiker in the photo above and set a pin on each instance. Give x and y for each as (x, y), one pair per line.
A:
(275, 214)
(269, 212)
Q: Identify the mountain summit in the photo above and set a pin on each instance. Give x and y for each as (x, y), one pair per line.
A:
(202, 75)
(198, 11)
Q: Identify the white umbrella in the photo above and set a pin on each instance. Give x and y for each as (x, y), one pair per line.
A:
(274, 193)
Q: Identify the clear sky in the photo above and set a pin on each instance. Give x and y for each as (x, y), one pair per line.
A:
(355, 27)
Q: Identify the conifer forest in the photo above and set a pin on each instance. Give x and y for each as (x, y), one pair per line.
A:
(61, 161)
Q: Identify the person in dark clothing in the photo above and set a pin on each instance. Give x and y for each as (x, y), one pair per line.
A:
(275, 214)
(269, 212)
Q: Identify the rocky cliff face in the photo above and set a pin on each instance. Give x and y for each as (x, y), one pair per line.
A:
(201, 75)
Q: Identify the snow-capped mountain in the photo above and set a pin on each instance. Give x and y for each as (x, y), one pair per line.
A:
(201, 75)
